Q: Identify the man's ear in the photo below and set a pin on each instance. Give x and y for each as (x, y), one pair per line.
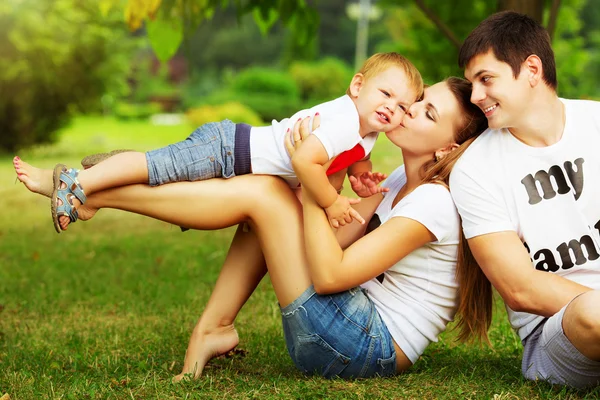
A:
(534, 69)
(441, 153)
(356, 84)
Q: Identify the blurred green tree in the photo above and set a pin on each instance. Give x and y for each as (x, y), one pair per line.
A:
(167, 22)
(57, 57)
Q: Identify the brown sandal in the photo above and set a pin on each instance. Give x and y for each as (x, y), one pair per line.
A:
(91, 160)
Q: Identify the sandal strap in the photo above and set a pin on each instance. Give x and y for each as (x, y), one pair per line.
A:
(69, 177)
(69, 212)
(66, 208)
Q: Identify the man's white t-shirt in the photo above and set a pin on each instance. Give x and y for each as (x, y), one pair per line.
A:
(418, 295)
(549, 196)
(339, 131)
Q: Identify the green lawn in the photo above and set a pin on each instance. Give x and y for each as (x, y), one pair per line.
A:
(105, 310)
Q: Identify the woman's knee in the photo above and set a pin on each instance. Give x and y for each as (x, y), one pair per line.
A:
(270, 191)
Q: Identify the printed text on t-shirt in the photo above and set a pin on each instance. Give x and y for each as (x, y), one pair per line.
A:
(542, 177)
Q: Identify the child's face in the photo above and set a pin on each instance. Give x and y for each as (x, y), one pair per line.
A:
(382, 99)
(496, 91)
(429, 124)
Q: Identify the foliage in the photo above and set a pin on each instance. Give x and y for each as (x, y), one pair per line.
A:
(149, 85)
(177, 19)
(265, 80)
(57, 57)
(271, 93)
(233, 111)
(127, 111)
(414, 35)
(322, 80)
(575, 58)
(229, 42)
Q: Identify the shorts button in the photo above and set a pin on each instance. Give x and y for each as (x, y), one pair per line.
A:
(228, 153)
(212, 159)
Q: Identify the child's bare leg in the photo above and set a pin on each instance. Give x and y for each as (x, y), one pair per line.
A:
(214, 334)
(119, 170)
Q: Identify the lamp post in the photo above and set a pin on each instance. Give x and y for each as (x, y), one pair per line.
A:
(362, 12)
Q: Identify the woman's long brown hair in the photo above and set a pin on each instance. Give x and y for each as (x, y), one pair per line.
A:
(474, 314)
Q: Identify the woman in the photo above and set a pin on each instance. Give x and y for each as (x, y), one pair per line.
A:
(331, 324)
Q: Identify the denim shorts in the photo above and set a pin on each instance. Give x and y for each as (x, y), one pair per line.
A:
(212, 151)
(549, 355)
(338, 335)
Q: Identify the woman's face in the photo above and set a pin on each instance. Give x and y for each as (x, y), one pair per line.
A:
(429, 124)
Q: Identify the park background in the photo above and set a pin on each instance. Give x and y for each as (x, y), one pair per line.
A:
(105, 309)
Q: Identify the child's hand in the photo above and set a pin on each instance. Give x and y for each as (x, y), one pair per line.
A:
(366, 184)
(341, 213)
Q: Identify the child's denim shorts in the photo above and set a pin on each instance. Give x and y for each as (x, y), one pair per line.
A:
(214, 150)
(338, 335)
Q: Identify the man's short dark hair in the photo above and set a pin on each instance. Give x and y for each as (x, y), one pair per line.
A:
(512, 37)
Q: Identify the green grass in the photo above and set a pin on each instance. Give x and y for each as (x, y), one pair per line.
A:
(105, 310)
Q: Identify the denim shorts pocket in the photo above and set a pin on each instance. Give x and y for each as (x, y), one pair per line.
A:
(315, 355)
(200, 160)
(387, 366)
(356, 308)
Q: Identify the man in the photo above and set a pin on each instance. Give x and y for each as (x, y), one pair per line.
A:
(528, 192)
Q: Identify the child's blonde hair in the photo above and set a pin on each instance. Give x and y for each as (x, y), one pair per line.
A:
(379, 62)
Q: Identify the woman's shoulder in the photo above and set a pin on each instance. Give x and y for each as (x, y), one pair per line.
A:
(433, 193)
(431, 204)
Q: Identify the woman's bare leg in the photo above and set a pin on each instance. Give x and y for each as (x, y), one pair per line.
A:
(267, 202)
(275, 214)
(215, 334)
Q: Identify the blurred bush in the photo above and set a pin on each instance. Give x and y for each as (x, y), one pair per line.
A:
(233, 111)
(58, 57)
(272, 93)
(265, 80)
(322, 80)
(130, 111)
(155, 87)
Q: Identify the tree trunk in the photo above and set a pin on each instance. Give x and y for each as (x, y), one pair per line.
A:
(533, 8)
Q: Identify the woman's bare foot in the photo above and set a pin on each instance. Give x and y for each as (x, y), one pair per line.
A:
(204, 346)
(37, 180)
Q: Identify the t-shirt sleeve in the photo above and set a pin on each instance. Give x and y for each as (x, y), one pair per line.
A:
(394, 181)
(478, 202)
(432, 206)
(337, 135)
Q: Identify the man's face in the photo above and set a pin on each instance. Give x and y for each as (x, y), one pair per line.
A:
(502, 98)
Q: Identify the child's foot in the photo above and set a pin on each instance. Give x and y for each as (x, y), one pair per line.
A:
(67, 196)
(205, 346)
(37, 180)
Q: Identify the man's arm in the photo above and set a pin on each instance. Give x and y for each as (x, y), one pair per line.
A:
(507, 265)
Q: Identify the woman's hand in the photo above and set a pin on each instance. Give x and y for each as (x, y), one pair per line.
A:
(293, 140)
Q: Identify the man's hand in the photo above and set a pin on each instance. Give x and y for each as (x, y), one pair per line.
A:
(366, 184)
(341, 213)
(294, 138)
